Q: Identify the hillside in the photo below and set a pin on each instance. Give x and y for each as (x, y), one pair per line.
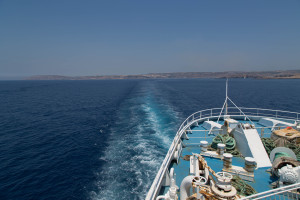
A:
(287, 74)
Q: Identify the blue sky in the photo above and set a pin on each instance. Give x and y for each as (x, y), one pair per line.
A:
(104, 37)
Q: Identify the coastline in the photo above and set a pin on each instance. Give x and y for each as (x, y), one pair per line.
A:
(287, 74)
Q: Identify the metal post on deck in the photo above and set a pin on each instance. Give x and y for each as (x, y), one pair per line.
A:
(226, 108)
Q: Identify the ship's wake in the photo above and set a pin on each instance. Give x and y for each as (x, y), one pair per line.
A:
(138, 142)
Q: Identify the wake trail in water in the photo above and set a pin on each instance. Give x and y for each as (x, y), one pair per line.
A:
(137, 145)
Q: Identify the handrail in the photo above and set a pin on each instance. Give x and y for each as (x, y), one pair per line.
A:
(276, 113)
(189, 121)
(269, 110)
(262, 129)
(277, 191)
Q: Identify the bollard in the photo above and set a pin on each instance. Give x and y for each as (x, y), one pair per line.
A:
(250, 164)
(203, 145)
(227, 160)
(221, 148)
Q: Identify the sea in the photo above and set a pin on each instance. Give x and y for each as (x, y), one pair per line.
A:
(106, 139)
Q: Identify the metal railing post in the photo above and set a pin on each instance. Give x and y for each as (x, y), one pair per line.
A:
(211, 112)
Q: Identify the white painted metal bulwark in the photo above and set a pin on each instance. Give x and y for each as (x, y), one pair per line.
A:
(211, 125)
(274, 122)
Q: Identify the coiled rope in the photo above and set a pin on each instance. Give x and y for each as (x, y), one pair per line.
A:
(229, 142)
(242, 187)
(269, 145)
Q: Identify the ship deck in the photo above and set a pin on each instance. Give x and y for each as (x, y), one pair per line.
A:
(194, 129)
(262, 179)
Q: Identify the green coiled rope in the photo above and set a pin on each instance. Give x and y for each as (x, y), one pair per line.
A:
(229, 142)
(242, 187)
(270, 145)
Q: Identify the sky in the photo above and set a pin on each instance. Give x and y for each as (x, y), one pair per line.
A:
(109, 37)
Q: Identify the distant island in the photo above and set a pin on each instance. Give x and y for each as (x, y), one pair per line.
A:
(286, 74)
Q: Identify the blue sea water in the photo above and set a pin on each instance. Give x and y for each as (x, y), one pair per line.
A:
(106, 139)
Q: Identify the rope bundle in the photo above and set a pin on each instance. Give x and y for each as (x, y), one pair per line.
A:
(270, 144)
(228, 141)
(242, 187)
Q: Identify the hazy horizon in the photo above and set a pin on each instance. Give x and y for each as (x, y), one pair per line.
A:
(29, 76)
(85, 38)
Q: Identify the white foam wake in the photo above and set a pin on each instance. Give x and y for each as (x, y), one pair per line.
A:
(138, 144)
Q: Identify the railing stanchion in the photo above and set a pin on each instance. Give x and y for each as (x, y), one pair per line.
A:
(211, 112)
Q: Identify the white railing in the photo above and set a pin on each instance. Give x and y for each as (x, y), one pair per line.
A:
(277, 114)
(260, 130)
(287, 192)
(213, 112)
